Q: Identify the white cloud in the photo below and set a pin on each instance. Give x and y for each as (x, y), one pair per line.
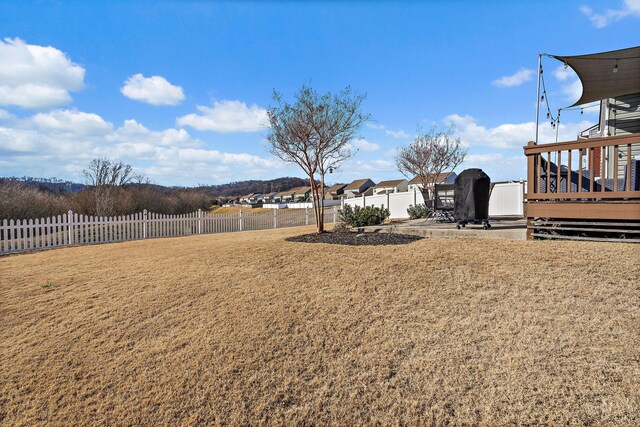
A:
(572, 91)
(398, 134)
(227, 116)
(375, 169)
(516, 79)
(365, 145)
(562, 74)
(377, 165)
(62, 142)
(5, 115)
(154, 90)
(510, 135)
(571, 86)
(630, 8)
(33, 76)
(498, 166)
(71, 121)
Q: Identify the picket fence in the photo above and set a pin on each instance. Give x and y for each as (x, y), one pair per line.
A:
(73, 229)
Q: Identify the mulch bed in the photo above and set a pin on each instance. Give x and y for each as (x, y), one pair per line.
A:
(355, 239)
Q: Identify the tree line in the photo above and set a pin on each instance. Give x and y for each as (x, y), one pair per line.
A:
(114, 188)
(20, 201)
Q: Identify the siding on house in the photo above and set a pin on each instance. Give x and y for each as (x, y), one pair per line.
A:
(618, 116)
(392, 186)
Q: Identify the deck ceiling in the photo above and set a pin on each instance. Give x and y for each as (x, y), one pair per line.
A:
(596, 72)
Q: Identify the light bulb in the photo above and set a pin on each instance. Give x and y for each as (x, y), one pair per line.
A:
(615, 68)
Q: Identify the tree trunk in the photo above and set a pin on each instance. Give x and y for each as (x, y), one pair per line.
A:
(428, 200)
(316, 210)
(321, 202)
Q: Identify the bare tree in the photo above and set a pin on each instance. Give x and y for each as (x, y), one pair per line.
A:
(429, 155)
(106, 176)
(103, 171)
(314, 132)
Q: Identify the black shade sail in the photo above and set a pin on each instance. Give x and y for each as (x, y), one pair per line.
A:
(596, 72)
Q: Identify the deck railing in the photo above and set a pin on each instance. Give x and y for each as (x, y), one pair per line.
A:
(584, 170)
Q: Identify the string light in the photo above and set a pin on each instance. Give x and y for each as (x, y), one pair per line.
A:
(544, 98)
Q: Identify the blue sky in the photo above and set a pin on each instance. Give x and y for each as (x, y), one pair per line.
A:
(179, 89)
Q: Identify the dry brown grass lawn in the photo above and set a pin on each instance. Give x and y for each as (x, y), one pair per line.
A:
(249, 329)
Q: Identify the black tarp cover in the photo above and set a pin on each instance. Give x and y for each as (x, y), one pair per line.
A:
(471, 195)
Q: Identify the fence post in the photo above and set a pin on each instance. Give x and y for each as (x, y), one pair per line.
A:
(240, 218)
(335, 214)
(275, 218)
(199, 221)
(388, 202)
(306, 215)
(144, 224)
(70, 227)
(364, 201)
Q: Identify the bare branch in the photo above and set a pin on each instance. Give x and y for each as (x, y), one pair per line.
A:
(314, 133)
(429, 155)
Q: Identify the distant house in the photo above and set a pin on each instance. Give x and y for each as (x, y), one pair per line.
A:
(301, 194)
(269, 197)
(286, 196)
(249, 198)
(335, 192)
(442, 178)
(392, 186)
(359, 187)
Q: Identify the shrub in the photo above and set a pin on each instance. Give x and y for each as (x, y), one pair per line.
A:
(361, 217)
(341, 227)
(418, 211)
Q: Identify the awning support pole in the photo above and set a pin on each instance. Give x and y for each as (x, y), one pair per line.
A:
(538, 96)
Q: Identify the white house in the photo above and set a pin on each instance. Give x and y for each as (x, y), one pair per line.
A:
(392, 186)
(359, 187)
(335, 192)
(442, 178)
(285, 196)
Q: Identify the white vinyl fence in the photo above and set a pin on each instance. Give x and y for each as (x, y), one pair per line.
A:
(74, 229)
(397, 203)
(506, 199)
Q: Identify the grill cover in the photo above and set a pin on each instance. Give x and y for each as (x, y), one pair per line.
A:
(471, 195)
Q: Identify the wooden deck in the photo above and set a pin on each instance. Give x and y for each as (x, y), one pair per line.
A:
(587, 189)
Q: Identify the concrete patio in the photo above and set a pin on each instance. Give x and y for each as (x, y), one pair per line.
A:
(509, 228)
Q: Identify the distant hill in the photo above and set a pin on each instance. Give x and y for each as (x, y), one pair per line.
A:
(238, 188)
(52, 185)
(241, 188)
